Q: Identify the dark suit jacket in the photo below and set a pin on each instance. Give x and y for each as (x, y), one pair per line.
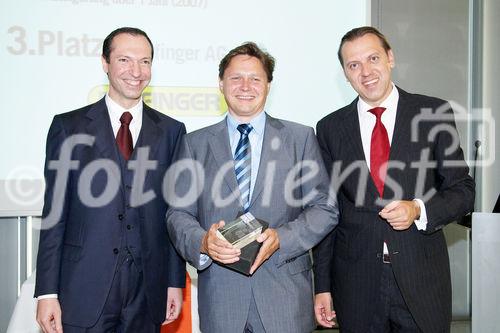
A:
(347, 262)
(77, 257)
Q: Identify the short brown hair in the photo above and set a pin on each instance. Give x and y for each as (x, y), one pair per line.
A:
(360, 32)
(251, 49)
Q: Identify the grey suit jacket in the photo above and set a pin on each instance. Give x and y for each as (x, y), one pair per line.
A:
(282, 285)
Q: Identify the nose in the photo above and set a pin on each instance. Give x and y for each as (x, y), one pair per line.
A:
(245, 84)
(366, 69)
(135, 69)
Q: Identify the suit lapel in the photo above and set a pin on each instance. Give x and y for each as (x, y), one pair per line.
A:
(272, 130)
(150, 132)
(351, 130)
(401, 140)
(100, 128)
(401, 136)
(221, 150)
(105, 143)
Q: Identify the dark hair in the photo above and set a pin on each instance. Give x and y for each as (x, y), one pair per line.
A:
(360, 32)
(251, 49)
(106, 45)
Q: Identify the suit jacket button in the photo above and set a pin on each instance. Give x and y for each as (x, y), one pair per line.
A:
(120, 217)
(129, 227)
(115, 250)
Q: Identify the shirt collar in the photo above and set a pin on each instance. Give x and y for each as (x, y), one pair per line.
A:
(115, 110)
(390, 103)
(258, 123)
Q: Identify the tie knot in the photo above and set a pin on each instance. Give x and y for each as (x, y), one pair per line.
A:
(245, 128)
(126, 118)
(377, 111)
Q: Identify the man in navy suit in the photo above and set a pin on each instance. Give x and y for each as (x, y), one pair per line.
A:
(105, 261)
(396, 160)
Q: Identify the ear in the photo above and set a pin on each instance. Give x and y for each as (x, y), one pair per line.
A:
(221, 85)
(390, 56)
(268, 87)
(104, 65)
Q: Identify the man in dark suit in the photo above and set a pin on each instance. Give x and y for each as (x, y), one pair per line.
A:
(105, 261)
(396, 164)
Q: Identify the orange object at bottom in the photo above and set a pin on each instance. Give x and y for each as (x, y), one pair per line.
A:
(183, 324)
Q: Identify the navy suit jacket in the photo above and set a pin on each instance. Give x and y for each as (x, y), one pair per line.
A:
(78, 256)
(348, 262)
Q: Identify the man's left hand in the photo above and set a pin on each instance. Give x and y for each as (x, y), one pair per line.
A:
(174, 304)
(400, 214)
(270, 243)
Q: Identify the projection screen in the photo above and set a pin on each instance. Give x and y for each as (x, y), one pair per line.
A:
(51, 64)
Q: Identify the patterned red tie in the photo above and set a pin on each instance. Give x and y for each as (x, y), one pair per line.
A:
(379, 151)
(124, 137)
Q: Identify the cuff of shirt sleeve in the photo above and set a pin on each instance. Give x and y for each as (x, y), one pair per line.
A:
(47, 296)
(203, 259)
(421, 222)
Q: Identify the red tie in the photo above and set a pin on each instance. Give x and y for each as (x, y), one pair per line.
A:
(124, 137)
(379, 151)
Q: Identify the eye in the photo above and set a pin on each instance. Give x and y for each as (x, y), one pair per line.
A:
(234, 78)
(374, 58)
(256, 79)
(353, 66)
(146, 62)
(123, 60)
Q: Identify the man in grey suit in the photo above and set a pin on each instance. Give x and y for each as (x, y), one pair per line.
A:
(251, 162)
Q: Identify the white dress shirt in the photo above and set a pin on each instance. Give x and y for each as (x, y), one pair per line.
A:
(367, 122)
(255, 137)
(115, 111)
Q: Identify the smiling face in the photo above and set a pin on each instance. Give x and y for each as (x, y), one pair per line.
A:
(129, 68)
(368, 67)
(245, 87)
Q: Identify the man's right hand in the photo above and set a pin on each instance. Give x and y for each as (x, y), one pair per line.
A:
(48, 315)
(323, 310)
(219, 249)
